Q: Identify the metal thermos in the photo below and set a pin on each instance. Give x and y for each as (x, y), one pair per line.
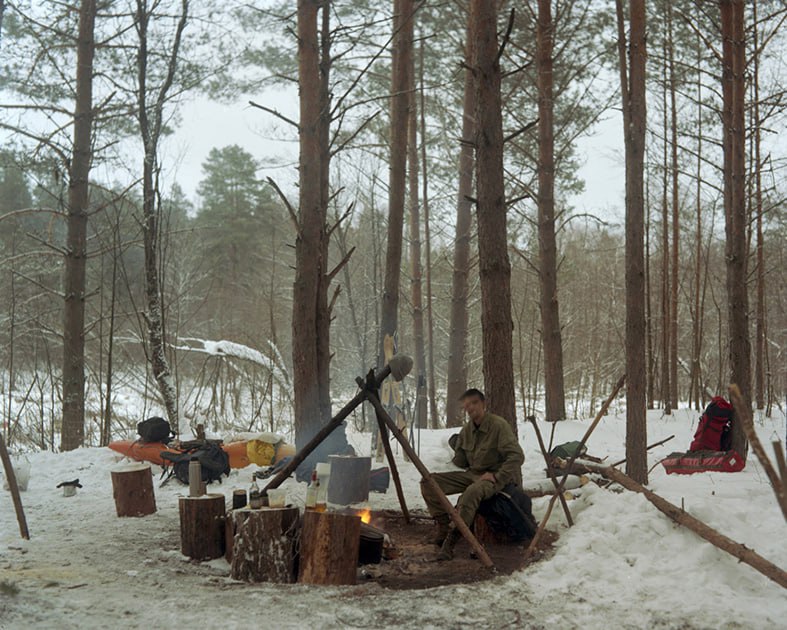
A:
(195, 478)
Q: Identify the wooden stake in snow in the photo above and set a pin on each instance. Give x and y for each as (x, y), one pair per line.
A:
(14, 488)
(744, 554)
(559, 490)
(551, 472)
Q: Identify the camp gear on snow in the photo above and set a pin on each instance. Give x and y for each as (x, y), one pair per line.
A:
(155, 429)
(509, 512)
(568, 450)
(703, 461)
(238, 451)
(714, 431)
(69, 487)
(214, 463)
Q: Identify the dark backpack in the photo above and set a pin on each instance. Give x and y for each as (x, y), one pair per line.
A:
(509, 512)
(154, 429)
(214, 463)
(714, 431)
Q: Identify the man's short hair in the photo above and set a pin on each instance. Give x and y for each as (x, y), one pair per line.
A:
(473, 393)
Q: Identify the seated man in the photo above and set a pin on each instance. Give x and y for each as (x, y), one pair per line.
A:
(490, 454)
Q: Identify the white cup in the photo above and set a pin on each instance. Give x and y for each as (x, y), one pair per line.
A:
(277, 498)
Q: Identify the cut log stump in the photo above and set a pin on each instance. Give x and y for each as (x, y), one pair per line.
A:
(349, 482)
(329, 548)
(202, 526)
(132, 488)
(486, 535)
(264, 544)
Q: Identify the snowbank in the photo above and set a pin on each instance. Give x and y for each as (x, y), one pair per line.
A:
(623, 564)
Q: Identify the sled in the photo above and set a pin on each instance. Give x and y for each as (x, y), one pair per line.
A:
(703, 461)
(241, 454)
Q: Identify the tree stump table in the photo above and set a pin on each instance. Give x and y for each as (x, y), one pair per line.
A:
(486, 535)
(132, 489)
(329, 548)
(264, 543)
(202, 526)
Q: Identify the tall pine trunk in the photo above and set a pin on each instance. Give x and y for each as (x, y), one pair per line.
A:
(733, 94)
(673, 354)
(457, 340)
(493, 261)
(634, 119)
(550, 312)
(73, 430)
(397, 182)
(416, 293)
(434, 419)
(309, 243)
(666, 324)
(760, 331)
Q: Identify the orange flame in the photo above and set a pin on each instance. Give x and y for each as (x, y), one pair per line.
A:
(366, 515)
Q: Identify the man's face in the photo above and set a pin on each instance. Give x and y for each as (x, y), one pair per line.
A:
(474, 407)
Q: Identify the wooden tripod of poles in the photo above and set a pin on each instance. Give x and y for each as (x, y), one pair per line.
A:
(399, 366)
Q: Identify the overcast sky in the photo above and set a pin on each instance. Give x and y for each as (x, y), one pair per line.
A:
(207, 124)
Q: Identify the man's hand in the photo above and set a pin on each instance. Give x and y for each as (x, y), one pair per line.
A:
(488, 476)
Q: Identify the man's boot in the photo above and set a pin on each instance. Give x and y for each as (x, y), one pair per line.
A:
(447, 549)
(440, 531)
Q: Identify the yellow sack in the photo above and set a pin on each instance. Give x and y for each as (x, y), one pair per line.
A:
(260, 452)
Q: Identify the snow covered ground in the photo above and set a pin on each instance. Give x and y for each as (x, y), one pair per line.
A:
(623, 564)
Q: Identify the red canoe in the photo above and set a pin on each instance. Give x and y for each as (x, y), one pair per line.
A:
(241, 454)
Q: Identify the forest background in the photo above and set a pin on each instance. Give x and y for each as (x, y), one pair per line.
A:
(220, 288)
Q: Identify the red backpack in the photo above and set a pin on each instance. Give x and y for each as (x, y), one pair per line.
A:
(714, 432)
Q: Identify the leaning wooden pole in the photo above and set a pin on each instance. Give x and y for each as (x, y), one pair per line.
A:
(14, 488)
(483, 556)
(392, 464)
(400, 365)
(743, 553)
(550, 471)
(743, 414)
(559, 490)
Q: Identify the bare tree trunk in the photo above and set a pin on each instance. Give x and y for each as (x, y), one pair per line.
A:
(759, 343)
(11, 342)
(651, 373)
(666, 324)
(73, 431)
(456, 372)
(324, 307)
(106, 424)
(434, 419)
(415, 259)
(733, 93)
(695, 388)
(400, 84)
(309, 268)
(633, 93)
(673, 355)
(493, 261)
(150, 117)
(550, 312)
